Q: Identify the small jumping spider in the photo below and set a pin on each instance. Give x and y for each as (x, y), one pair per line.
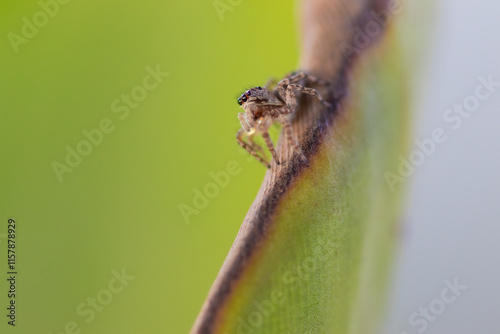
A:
(264, 106)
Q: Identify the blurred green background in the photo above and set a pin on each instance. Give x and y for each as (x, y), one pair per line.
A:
(119, 207)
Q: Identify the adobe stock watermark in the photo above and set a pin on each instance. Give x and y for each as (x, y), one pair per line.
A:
(96, 303)
(31, 27)
(121, 107)
(454, 117)
(210, 190)
(373, 28)
(222, 6)
(420, 320)
(291, 279)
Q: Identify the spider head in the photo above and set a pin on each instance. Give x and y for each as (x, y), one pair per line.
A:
(250, 95)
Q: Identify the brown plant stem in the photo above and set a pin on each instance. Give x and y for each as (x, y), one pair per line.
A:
(326, 26)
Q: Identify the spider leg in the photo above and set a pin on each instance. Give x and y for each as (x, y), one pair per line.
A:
(291, 100)
(250, 148)
(296, 76)
(285, 90)
(315, 80)
(287, 126)
(281, 87)
(263, 128)
(253, 144)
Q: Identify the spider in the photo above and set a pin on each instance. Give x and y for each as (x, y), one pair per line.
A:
(264, 106)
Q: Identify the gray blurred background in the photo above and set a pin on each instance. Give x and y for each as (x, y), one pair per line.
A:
(451, 232)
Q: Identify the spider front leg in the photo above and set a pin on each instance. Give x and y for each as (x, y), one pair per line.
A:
(263, 126)
(250, 148)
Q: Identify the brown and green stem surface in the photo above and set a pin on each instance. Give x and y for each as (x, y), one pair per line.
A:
(314, 249)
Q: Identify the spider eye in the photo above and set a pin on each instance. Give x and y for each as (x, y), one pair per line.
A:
(239, 101)
(244, 98)
(259, 88)
(248, 93)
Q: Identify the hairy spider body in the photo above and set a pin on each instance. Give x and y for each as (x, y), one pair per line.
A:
(264, 106)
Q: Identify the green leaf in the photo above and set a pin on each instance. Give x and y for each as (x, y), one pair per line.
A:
(313, 252)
